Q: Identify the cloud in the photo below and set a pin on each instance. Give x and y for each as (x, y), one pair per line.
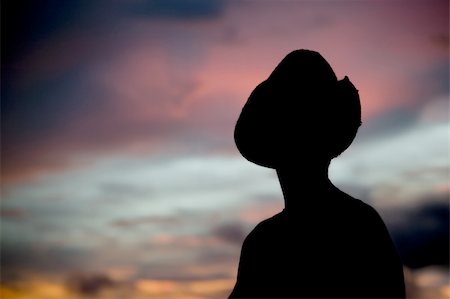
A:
(383, 166)
(19, 260)
(13, 213)
(89, 284)
(421, 232)
(390, 122)
(164, 221)
(211, 288)
(93, 88)
(32, 22)
(233, 233)
(428, 282)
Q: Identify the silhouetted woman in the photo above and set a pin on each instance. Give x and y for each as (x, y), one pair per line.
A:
(325, 243)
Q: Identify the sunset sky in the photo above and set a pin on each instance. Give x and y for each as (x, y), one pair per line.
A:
(120, 177)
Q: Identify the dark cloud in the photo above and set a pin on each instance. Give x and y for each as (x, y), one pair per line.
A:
(149, 220)
(20, 259)
(441, 40)
(34, 118)
(437, 78)
(390, 122)
(13, 213)
(233, 233)
(89, 284)
(217, 257)
(183, 274)
(178, 9)
(121, 190)
(28, 26)
(26, 23)
(421, 234)
(43, 107)
(46, 48)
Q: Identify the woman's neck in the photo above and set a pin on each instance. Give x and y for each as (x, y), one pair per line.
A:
(304, 185)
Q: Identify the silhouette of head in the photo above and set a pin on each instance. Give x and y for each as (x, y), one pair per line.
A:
(300, 113)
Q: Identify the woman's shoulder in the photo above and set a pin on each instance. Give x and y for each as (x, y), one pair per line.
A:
(360, 207)
(361, 213)
(266, 227)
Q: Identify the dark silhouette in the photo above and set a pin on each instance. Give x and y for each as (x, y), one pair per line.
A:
(325, 243)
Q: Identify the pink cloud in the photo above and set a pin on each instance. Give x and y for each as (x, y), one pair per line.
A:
(162, 84)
